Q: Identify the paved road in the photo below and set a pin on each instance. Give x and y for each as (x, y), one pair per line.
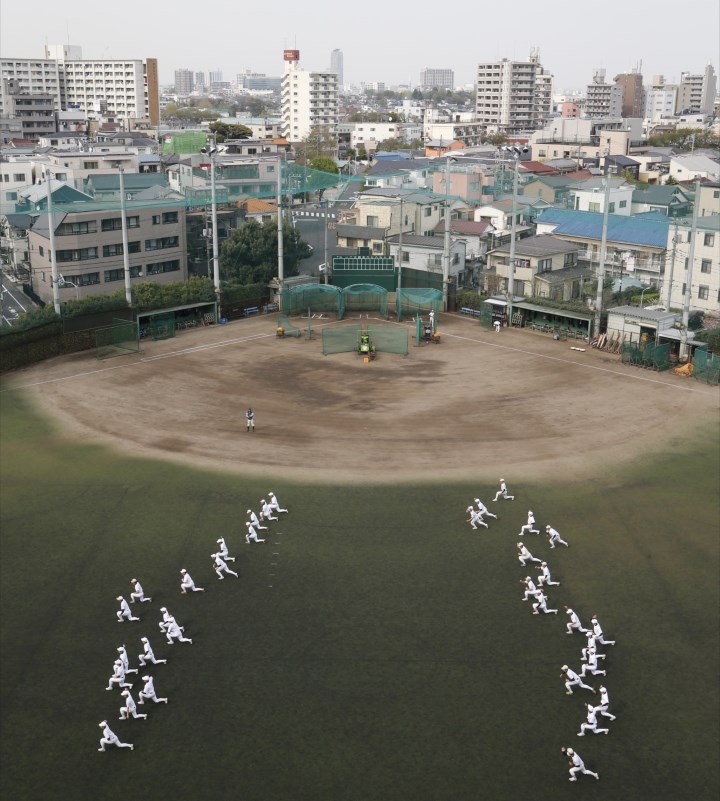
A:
(13, 301)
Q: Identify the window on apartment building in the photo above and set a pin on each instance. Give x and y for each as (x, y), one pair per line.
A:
(163, 267)
(703, 292)
(114, 275)
(709, 240)
(684, 289)
(156, 219)
(83, 279)
(77, 228)
(19, 177)
(117, 249)
(623, 204)
(544, 265)
(11, 196)
(687, 261)
(372, 220)
(405, 256)
(705, 266)
(41, 250)
(115, 223)
(77, 254)
(136, 272)
(611, 208)
(169, 217)
(162, 243)
(90, 165)
(427, 211)
(377, 247)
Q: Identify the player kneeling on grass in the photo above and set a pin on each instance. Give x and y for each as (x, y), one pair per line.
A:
(475, 519)
(252, 534)
(186, 583)
(577, 765)
(110, 738)
(220, 566)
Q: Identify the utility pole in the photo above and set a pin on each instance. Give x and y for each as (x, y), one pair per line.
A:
(513, 238)
(123, 224)
(53, 257)
(601, 263)
(281, 257)
(446, 242)
(684, 350)
(668, 295)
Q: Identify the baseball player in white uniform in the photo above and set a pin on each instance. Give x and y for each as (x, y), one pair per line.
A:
(148, 691)
(167, 619)
(255, 522)
(483, 511)
(602, 707)
(475, 519)
(591, 724)
(503, 491)
(590, 645)
(577, 765)
(138, 594)
(175, 632)
(224, 550)
(252, 534)
(531, 591)
(574, 622)
(124, 611)
(267, 511)
(598, 632)
(591, 666)
(148, 655)
(118, 676)
(110, 738)
(186, 583)
(250, 418)
(221, 567)
(524, 555)
(130, 708)
(541, 606)
(529, 526)
(554, 537)
(571, 679)
(274, 503)
(545, 577)
(123, 657)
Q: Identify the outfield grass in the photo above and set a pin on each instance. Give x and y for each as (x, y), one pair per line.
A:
(377, 648)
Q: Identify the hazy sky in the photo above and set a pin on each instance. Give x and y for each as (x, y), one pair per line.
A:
(389, 42)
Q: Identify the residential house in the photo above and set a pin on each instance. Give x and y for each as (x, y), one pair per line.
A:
(553, 189)
(89, 249)
(14, 252)
(690, 167)
(545, 266)
(708, 198)
(636, 244)
(435, 148)
(107, 187)
(590, 195)
(466, 181)
(369, 237)
(621, 165)
(398, 174)
(422, 211)
(499, 214)
(674, 201)
(426, 253)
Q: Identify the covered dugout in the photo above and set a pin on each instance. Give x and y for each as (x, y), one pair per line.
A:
(366, 298)
(318, 297)
(410, 302)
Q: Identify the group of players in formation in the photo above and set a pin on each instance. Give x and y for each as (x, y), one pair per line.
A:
(169, 625)
(589, 656)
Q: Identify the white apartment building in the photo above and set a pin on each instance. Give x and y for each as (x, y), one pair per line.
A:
(704, 282)
(336, 65)
(124, 89)
(513, 96)
(309, 99)
(660, 100)
(437, 78)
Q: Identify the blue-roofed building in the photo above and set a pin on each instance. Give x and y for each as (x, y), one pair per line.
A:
(636, 245)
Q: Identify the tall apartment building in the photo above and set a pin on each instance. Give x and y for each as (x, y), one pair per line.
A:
(215, 76)
(603, 99)
(633, 93)
(184, 82)
(123, 89)
(336, 65)
(660, 99)
(35, 112)
(696, 93)
(513, 96)
(309, 99)
(437, 79)
(200, 81)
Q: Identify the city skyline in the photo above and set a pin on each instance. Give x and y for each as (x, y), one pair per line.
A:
(388, 52)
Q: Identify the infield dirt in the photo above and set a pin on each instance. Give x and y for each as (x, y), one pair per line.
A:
(478, 403)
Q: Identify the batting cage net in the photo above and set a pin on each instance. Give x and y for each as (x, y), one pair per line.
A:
(486, 315)
(288, 329)
(389, 338)
(340, 340)
(366, 298)
(318, 297)
(114, 340)
(410, 302)
(706, 367)
(162, 326)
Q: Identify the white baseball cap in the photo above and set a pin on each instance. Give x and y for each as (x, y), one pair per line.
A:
(502, 479)
(527, 578)
(143, 639)
(124, 692)
(530, 512)
(519, 545)
(163, 609)
(570, 751)
(183, 570)
(119, 598)
(220, 540)
(477, 500)
(547, 528)
(248, 524)
(103, 723)
(593, 620)
(132, 581)
(564, 667)
(146, 678)
(249, 512)
(121, 648)
(543, 564)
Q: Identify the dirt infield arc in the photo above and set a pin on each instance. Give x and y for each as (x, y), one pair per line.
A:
(478, 403)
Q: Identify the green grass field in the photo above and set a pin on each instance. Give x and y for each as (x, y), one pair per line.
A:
(376, 648)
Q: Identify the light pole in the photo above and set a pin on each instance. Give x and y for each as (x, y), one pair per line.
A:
(645, 289)
(212, 152)
(516, 152)
(446, 240)
(126, 254)
(53, 257)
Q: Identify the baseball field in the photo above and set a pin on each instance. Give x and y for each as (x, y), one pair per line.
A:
(375, 646)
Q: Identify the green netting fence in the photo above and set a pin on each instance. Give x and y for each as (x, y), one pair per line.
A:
(162, 326)
(661, 357)
(410, 302)
(706, 367)
(340, 340)
(486, 315)
(117, 339)
(318, 297)
(366, 298)
(630, 353)
(389, 338)
(289, 330)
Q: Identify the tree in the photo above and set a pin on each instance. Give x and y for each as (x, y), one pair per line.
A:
(711, 336)
(249, 254)
(323, 163)
(319, 142)
(224, 131)
(686, 139)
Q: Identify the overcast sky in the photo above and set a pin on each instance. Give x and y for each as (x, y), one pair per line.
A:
(389, 42)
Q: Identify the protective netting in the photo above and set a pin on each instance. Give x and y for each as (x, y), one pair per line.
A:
(365, 298)
(340, 340)
(486, 315)
(162, 326)
(389, 338)
(410, 302)
(116, 339)
(289, 330)
(318, 297)
(661, 357)
(706, 367)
